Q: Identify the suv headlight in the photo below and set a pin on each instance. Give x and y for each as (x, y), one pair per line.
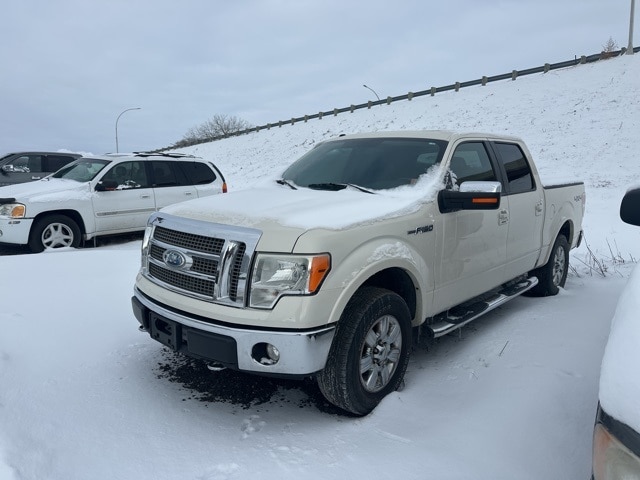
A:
(13, 210)
(274, 276)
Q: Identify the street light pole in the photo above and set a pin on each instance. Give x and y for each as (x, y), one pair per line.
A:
(374, 92)
(630, 46)
(122, 113)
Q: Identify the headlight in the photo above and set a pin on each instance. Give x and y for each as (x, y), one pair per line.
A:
(611, 459)
(276, 275)
(13, 210)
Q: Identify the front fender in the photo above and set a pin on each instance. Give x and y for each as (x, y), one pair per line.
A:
(353, 271)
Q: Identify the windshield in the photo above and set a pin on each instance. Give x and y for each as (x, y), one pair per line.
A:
(82, 170)
(372, 163)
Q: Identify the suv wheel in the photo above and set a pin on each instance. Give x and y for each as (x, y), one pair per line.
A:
(54, 231)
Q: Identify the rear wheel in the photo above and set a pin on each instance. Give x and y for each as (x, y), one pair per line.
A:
(553, 275)
(370, 352)
(54, 231)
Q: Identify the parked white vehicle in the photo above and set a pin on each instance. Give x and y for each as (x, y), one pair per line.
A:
(103, 195)
(363, 242)
(616, 436)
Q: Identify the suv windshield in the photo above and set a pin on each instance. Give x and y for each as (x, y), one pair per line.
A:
(372, 163)
(83, 170)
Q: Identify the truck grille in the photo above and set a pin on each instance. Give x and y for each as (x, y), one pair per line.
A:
(180, 256)
(190, 241)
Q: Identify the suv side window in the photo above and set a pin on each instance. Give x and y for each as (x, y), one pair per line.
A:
(167, 174)
(519, 175)
(197, 173)
(27, 163)
(127, 175)
(470, 162)
(56, 162)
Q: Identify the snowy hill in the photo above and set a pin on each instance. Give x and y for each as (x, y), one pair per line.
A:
(84, 395)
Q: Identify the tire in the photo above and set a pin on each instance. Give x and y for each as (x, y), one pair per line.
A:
(553, 275)
(370, 352)
(54, 231)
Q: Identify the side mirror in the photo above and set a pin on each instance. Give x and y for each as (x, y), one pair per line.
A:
(7, 169)
(106, 186)
(471, 196)
(630, 207)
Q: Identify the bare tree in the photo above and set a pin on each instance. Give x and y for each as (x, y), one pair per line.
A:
(609, 48)
(218, 126)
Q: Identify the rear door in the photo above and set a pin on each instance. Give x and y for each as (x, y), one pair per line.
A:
(170, 184)
(524, 201)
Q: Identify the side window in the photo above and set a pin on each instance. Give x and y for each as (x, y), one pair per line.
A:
(127, 175)
(197, 173)
(167, 174)
(56, 162)
(27, 163)
(470, 162)
(518, 170)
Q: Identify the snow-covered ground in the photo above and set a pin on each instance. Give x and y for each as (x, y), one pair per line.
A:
(84, 395)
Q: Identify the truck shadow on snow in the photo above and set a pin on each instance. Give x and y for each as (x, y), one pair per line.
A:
(239, 388)
(250, 391)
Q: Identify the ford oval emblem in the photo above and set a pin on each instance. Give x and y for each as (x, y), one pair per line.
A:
(174, 258)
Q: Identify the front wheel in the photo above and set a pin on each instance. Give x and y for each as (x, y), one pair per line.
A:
(370, 352)
(553, 275)
(54, 231)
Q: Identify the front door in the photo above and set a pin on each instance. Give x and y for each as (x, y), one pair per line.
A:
(128, 200)
(472, 243)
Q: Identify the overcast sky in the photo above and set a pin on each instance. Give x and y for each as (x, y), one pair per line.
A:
(70, 67)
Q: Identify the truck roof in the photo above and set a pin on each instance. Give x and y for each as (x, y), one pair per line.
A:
(447, 135)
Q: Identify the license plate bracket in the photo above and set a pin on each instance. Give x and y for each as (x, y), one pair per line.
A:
(165, 331)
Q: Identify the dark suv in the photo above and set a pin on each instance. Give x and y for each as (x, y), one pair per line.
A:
(24, 167)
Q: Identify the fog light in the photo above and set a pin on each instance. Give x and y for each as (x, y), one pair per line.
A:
(265, 354)
(273, 353)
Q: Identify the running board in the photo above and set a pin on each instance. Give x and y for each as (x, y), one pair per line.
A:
(459, 316)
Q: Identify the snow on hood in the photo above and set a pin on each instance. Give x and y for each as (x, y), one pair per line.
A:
(306, 209)
(46, 190)
(619, 380)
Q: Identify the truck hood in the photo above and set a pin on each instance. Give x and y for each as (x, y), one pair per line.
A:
(304, 209)
(51, 189)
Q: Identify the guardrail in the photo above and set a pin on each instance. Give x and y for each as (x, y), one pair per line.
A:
(513, 75)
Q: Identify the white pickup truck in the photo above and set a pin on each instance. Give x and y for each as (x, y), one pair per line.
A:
(363, 244)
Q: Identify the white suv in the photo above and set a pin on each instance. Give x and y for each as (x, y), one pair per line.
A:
(102, 195)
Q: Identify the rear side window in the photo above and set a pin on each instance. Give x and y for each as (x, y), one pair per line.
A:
(56, 162)
(519, 175)
(197, 173)
(167, 174)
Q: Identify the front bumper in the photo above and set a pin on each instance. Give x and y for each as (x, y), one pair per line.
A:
(15, 231)
(302, 352)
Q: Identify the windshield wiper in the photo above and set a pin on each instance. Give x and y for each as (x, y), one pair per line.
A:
(338, 186)
(282, 181)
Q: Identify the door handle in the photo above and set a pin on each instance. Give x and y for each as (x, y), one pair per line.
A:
(539, 208)
(145, 195)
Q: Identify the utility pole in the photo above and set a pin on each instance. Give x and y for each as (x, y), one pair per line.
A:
(630, 46)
